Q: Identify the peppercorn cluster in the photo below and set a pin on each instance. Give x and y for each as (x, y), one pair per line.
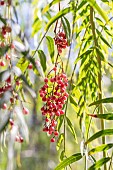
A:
(60, 41)
(54, 96)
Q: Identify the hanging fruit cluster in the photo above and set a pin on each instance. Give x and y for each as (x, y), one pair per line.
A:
(60, 41)
(54, 94)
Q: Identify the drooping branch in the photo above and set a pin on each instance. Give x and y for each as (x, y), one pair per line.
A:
(99, 74)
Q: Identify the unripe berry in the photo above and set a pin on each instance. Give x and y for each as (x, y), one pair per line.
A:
(38, 63)
(4, 106)
(17, 139)
(25, 111)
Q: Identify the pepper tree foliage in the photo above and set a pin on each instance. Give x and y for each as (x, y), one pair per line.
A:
(73, 53)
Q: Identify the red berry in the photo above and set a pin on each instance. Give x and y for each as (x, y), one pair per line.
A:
(2, 63)
(46, 80)
(51, 128)
(56, 133)
(9, 79)
(62, 112)
(50, 132)
(4, 106)
(42, 95)
(2, 2)
(47, 120)
(17, 82)
(12, 100)
(57, 113)
(7, 57)
(30, 66)
(55, 68)
(21, 139)
(44, 99)
(54, 122)
(52, 80)
(25, 111)
(45, 129)
(52, 139)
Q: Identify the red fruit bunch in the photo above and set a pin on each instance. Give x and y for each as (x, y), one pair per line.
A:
(6, 29)
(54, 94)
(61, 41)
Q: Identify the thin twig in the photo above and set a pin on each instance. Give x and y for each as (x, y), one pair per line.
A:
(71, 39)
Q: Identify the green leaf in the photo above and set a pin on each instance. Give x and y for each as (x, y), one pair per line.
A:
(62, 155)
(84, 54)
(107, 116)
(22, 64)
(100, 134)
(59, 141)
(72, 130)
(67, 28)
(69, 161)
(100, 54)
(105, 100)
(59, 15)
(50, 44)
(99, 163)
(37, 25)
(42, 59)
(72, 101)
(60, 121)
(81, 4)
(100, 148)
(49, 5)
(3, 50)
(3, 20)
(26, 80)
(103, 39)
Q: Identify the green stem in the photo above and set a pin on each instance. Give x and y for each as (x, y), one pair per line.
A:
(99, 76)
